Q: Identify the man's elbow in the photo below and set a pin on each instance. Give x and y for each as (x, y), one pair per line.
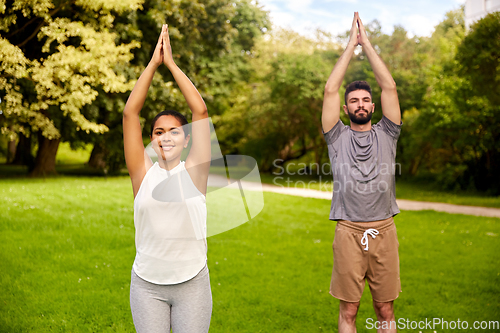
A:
(390, 86)
(331, 88)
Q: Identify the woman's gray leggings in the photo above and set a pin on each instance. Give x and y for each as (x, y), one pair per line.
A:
(185, 307)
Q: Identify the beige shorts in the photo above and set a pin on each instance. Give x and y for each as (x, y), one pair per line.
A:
(356, 257)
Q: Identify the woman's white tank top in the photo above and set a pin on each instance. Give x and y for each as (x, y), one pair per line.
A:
(170, 216)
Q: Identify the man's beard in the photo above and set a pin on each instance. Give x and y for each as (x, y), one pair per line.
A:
(360, 120)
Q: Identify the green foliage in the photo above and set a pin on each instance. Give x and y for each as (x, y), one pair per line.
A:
(209, 39)
(231, 71)
(279, 109)
(205, 35)
(454, 137)
(58, 55)
(479, 57)
(68, 81)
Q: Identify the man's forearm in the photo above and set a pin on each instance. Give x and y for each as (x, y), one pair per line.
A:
(382, 74)
(337, 76)
(331, 103)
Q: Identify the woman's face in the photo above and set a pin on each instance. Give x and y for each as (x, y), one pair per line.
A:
(168, 138)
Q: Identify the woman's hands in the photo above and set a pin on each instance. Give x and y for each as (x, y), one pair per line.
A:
(157, 58)
(168, 60)
(163, 50)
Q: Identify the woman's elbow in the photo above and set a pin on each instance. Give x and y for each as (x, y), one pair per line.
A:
(201, 111)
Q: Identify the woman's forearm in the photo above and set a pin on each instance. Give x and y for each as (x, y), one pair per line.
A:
(191, 94)
(140, 91)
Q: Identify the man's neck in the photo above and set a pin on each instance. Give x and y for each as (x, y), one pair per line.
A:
(361, 128)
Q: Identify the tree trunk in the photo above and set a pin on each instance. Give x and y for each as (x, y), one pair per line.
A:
(45, 162)
(97, 157)
(11, 150)
(23, 152)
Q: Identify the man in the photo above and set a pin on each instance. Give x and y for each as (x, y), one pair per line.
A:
(363, 203)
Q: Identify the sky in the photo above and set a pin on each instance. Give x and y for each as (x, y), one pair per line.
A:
(335, 16)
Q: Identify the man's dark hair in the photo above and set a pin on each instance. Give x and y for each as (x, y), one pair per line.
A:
(177, 115)
(357, 85)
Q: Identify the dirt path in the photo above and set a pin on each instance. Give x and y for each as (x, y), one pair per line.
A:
(403, 204)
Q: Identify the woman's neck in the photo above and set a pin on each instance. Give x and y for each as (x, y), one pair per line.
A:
(169, 165)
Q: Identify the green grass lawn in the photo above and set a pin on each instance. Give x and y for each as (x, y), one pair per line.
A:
(65, 155)
(67, 249)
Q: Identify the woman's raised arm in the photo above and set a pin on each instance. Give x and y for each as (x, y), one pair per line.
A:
(135, 157)
(198, 160)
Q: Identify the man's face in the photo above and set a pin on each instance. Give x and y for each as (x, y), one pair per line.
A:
(359, 107)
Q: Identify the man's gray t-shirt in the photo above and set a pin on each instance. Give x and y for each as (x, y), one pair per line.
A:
(363, 166)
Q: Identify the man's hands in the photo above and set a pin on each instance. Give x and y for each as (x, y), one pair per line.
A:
(362, 37)
(353, 36)
(389, 97)
(356, 38)
(331, 102)
(163, 50)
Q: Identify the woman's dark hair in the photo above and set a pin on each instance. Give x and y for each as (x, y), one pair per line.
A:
(177, 115)
(357, 85)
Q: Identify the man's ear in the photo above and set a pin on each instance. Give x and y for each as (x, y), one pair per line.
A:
(373, 107)
(345, 109)
(186, 140)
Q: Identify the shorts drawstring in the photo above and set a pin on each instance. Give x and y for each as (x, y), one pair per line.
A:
(371, 232)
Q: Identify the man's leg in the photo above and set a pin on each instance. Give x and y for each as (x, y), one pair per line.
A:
(385, 316)
(347, 317)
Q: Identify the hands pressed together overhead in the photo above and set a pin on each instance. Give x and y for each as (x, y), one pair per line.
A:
(358, 38)
(163, 50)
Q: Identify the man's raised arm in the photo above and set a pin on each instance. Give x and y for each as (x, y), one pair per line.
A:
(331, 101)
(389, 97)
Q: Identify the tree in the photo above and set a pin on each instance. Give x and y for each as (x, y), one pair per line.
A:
(455, 135)
(416, 151)
(277, 114)
(206, 33)
(55, 56)
(210, 40)
(479, 57)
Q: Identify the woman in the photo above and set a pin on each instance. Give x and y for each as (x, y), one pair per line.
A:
(170, 285)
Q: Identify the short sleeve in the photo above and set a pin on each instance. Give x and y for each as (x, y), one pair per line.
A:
(390, 128)
(332, 135)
